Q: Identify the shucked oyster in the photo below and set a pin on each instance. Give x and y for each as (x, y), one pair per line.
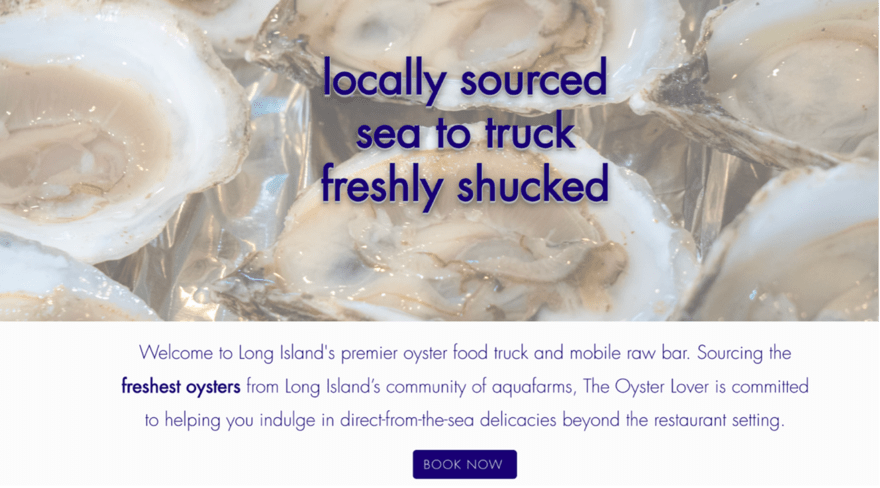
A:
(100, 141)
(39, 283)
(477, 261)
(230, 24)
(804, 249)
(780, 83)
(639, 40)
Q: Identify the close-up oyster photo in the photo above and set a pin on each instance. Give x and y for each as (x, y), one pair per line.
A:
(187, 160)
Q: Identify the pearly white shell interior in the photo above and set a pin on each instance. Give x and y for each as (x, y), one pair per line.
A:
(200, 101)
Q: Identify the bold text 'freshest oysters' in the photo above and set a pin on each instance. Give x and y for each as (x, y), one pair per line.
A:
(804, 249)
(781, 83)
(479, 261)
(39, 283)
(639, 38)
(110, 115)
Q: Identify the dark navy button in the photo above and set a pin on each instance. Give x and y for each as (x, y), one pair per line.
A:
(464, 465)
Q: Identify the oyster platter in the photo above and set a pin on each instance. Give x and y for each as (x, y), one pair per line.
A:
(177, 160)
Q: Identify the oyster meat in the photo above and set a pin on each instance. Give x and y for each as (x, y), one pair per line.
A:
(40, 284)
(805, 248)
(638, 38)
(99, 142)
(478, 261)
(778, 85)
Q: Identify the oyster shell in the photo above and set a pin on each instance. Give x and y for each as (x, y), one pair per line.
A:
(639, 38)
(479, 261)
(101, 142)
(805, 248)
(230, 24)
(39, 283)
(778, 85)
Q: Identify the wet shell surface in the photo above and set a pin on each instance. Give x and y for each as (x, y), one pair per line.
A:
(100, 142)
(231, 25)
(779, 84)
(43, 284)
(639, 38)
(615, 260)
(805, 248)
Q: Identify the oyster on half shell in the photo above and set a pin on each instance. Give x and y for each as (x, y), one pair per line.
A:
(110, 115)
(231, 25)
(781, 83)
(618, 260)
(40, 284)
(805, 248)
(639, 39)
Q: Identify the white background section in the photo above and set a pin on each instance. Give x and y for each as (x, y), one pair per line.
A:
(63, 418)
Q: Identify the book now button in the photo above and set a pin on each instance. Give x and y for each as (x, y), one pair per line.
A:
(464, 465)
